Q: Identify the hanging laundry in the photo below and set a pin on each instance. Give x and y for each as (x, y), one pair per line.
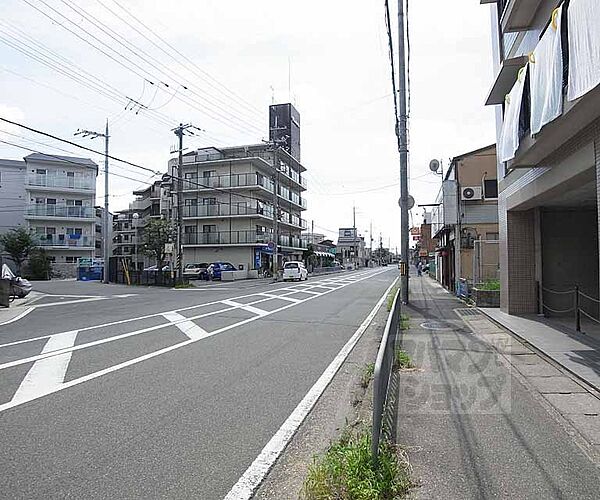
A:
(510, 137)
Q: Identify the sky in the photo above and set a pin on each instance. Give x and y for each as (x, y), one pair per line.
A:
(218, 64)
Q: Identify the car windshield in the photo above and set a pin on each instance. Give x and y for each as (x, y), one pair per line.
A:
(291, 265)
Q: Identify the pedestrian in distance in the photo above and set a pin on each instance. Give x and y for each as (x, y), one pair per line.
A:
(420, 269)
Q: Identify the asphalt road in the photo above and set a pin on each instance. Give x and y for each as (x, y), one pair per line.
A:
(115, 392)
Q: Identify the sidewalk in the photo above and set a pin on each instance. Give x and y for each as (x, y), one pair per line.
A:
(578, 353)
(483, 416)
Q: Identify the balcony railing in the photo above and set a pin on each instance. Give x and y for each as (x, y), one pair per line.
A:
(223, 210)
(228, 181)
(61, 181)
(65, 240)
(43, 210)
(240, 238)
(225, 238)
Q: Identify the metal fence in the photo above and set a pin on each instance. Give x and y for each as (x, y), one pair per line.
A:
(567, 302)
(384, 366)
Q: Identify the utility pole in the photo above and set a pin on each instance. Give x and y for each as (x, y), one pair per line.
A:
(105, 228)
(403, 149)
(180, 132)
(354, 252)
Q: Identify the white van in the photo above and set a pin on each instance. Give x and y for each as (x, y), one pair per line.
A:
(295, 270)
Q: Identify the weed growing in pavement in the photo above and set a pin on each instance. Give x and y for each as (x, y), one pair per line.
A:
(184, 285)
(404, 321)
(348, 471)
(390, 297)
(402, 360)
(367, 375)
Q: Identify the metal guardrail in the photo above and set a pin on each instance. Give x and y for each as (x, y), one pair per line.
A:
(384, 366)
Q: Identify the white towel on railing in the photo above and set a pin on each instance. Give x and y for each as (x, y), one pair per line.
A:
(509, 137)
(546, 76)
(584, 47)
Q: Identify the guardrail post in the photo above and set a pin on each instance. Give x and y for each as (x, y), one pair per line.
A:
(577, 313)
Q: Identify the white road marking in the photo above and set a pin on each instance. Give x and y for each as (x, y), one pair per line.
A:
(46, 374)
(282, 297)
(134, 361)
(245, 307)
(17, 318)
(188, 327)
(254, 475)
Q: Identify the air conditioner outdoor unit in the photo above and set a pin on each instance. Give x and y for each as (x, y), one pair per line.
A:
(471, 193)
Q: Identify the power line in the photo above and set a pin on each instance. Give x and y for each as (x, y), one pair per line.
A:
(136, 51)
(154, 80)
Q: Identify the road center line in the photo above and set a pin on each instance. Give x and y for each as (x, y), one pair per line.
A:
(134, 361)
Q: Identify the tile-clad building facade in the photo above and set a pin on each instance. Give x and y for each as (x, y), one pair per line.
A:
(548, 131)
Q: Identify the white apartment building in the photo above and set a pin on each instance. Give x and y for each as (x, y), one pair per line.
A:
(228, 205)
(60, 193)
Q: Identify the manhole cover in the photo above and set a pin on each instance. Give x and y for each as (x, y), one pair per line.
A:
(437, 325)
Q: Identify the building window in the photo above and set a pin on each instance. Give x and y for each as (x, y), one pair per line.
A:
(189, 229)
(74, 203)
(209, 201)
(490, 187)
(209, 228)
(41, 171)
(71, 260)
(50, 201)
(492, 236)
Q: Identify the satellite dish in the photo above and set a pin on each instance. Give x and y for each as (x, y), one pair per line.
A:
(434, 165)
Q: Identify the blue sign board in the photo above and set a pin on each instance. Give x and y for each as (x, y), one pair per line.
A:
(90, 269)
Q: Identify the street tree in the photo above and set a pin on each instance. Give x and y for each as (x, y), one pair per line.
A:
(18, 243)
(157, 233)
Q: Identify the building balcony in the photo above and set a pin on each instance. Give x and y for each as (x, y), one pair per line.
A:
(59, 211)
(517, 15)
(223, 210)
(225, 238)
(66, 241)
(61, 182)
(228, 182)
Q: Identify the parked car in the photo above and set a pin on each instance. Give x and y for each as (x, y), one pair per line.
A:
(215, 268)
(196, 271)
(294, 270)
(19, 287)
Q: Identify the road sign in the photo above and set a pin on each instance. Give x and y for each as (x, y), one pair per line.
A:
(271, 245)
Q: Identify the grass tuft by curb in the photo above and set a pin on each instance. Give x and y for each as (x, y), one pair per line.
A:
(347, 471)
(367, 375)
(404, 321)
(184, 285)
(391, 295)
(402, 360)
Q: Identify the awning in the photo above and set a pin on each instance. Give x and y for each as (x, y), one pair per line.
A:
(324, 254)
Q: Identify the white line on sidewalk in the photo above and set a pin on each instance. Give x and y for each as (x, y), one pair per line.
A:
(49, 373)
(18, 317)
(254, 475)
(188, 327)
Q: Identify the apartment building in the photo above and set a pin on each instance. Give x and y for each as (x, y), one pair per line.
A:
(229, 202)
(546, 56)
(465, 222)
(53, 196)
(151, 202)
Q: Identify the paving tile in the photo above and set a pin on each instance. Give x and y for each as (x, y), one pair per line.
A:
(575, 403)
(539, 370)
(525, 359)
(588, 425)
(555, 385)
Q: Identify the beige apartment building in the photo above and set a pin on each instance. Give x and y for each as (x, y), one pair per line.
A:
(465, 223)
(229, 202)
(546, 57)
